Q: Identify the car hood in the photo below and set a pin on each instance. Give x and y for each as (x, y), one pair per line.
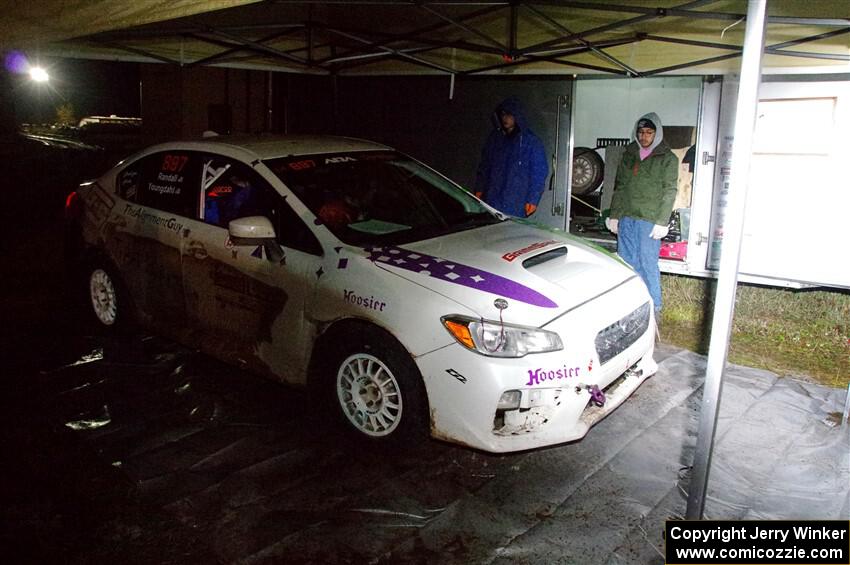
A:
(540, 273)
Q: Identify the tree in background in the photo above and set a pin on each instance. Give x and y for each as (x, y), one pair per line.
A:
(65, 115)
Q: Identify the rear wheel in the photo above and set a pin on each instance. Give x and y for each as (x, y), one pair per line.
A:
(378, 390)
(108, 300)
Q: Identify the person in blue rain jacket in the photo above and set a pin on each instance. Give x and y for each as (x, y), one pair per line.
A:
(513, 168)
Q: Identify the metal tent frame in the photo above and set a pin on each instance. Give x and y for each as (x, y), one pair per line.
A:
(457, 37)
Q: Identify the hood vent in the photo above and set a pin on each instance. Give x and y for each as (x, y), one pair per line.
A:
(544, 257)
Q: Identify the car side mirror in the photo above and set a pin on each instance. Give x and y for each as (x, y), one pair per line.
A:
(256, 230)
(251, 227)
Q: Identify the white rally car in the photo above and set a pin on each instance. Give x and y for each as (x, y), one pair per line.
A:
(342, 264)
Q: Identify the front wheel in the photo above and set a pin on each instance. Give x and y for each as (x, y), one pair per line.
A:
(378, 389)
(370, 395)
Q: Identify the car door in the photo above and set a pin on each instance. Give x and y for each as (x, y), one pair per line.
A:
(145, 233)
(247, 300)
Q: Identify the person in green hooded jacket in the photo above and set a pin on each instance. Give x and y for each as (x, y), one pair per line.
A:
(644, 191)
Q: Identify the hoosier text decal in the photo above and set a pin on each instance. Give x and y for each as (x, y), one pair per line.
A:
(540, 376)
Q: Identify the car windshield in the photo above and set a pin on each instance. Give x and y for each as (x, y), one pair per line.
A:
(379, 197)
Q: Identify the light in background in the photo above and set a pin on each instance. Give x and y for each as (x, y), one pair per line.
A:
(38, 74)
(16, 62)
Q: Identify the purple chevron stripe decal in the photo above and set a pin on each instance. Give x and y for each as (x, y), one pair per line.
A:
(456, 273)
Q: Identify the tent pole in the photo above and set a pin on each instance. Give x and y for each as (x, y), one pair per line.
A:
(727, 280)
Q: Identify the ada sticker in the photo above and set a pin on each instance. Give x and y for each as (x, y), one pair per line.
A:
(342, 159)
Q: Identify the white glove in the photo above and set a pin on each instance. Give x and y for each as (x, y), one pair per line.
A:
(658, 231)
(612, 224)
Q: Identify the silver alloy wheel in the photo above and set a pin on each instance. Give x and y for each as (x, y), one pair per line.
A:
(103, 297)
(369, 395)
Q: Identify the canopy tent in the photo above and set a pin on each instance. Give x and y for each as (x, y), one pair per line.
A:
(351, 37)
(635, 38)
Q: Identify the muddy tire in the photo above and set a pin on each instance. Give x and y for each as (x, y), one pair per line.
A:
(376, 389)
(107, 299)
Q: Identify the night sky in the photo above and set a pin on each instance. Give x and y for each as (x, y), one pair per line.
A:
(91, 87)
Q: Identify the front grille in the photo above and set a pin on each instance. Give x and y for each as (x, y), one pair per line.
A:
(617, 337)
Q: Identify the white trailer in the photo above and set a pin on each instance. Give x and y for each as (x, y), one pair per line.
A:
(798, 192)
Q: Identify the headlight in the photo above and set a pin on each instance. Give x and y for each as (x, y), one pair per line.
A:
(496, 339)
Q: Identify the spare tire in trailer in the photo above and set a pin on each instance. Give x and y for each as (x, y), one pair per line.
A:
(588, 170)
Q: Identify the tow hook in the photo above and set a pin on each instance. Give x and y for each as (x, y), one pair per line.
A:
(596, 395)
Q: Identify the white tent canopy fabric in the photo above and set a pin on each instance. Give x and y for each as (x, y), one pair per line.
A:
(635, 38)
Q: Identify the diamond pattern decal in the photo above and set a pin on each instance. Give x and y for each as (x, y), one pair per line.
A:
(457, 273)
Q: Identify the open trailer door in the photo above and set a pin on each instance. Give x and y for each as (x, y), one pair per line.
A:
(797, 188)
(554, 207)
(688, 252)
(548, 106)
(722, 110)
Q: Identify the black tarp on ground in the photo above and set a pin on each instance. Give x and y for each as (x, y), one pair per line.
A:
(156, 454)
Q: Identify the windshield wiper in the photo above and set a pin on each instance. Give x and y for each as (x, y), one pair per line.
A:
(476, 220)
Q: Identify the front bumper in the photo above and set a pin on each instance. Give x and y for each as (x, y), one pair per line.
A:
(557, 389)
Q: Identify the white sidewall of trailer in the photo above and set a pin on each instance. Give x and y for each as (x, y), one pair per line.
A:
(610, 107)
